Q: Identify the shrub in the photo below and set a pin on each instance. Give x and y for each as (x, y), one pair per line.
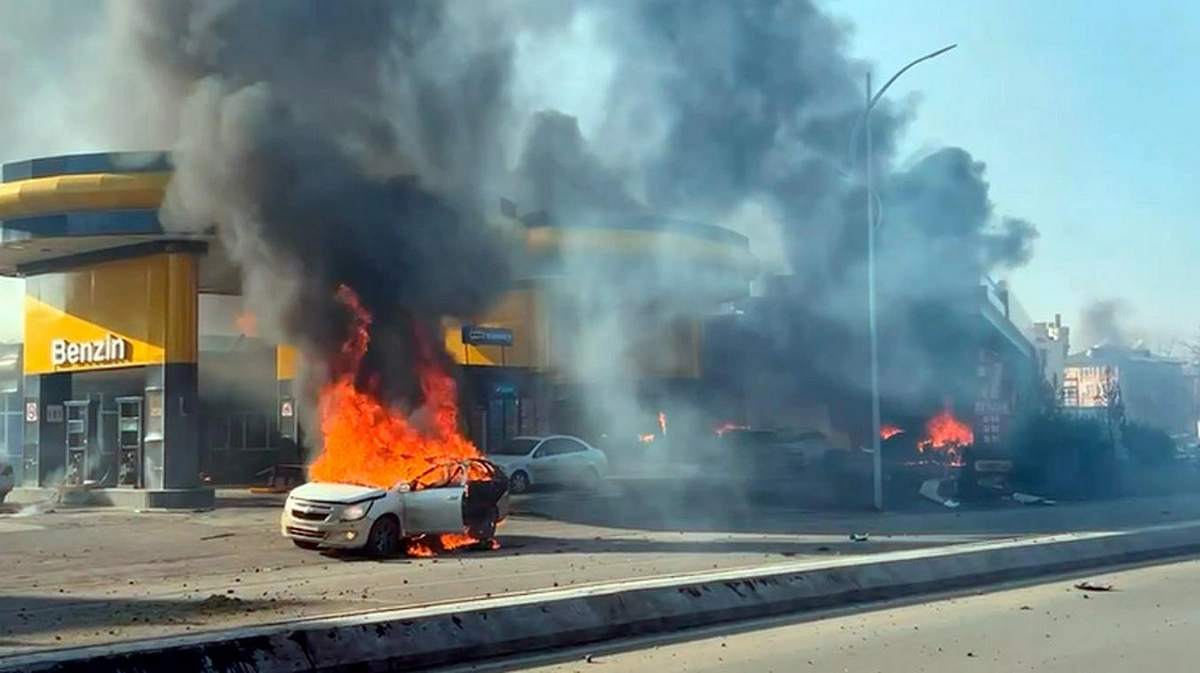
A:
(1065, 457)
(1148, 445)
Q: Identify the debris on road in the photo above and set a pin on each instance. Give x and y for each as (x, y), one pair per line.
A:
(1027, 499)
(939, 491)
(218, 536)
(1089, 586)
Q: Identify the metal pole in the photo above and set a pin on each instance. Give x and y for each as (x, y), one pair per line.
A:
(876, 431)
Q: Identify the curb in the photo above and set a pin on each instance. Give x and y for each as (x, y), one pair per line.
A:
(422, 638)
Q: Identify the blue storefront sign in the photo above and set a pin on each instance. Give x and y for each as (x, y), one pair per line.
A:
(504, 390)
(486, 336)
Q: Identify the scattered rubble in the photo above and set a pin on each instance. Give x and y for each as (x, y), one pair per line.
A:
(1090, 586)
(1027, 499)
(939, 491)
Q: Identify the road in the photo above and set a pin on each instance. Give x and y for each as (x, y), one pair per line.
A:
(1146, 623)
(77, 577)
(87, 577)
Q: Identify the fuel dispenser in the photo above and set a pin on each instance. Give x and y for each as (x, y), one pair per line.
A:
(129, 442)
(81, 431)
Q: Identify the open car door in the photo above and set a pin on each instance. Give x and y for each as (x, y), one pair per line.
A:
(434, 502)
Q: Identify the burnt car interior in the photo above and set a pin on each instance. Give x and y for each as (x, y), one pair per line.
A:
(484, 485)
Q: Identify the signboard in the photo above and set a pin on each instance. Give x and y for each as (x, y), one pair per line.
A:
(486, 336)
(54, 413)
(105, 351)
(504, 390)
(286, 410)
(31, 412)
(993, 406)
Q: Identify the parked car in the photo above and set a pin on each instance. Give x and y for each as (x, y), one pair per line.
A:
(7, 480)
(469, 496)
(552, 460)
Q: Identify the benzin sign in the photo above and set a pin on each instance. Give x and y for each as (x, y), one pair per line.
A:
(109, 350)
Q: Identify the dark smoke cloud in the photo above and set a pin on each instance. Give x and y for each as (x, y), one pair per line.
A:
(1105, 323)
(338, 144)
(752, 105)
(363, 141)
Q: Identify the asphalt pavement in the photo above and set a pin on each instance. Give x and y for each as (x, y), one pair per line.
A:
(1146, 622)
(79, 577)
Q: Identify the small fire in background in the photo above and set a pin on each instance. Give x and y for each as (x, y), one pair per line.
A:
(947, 435)
(662, 428)
(721, 428)
(889, 431)
(246, 324)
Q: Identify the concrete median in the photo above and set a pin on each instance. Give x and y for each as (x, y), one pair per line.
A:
(425, 637)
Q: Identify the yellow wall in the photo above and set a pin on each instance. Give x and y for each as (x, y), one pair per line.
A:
(285, 362)
(674, 351)
(149, 303)
(518, 312)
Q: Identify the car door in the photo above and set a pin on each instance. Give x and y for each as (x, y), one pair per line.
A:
(547, 461)
(574, 461)
(436, 509)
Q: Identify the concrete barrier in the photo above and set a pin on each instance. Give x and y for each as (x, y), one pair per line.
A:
(420, 638)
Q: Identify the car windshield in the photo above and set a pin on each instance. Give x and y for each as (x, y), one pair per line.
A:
(516, 447)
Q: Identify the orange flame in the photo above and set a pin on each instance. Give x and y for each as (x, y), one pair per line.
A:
(646, 439)
(889, 431)
(662, 423)
(246, 324)
(723, 428)
(945, 433)
(369, 444)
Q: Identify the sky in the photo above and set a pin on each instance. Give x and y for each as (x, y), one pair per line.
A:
(1085, 113)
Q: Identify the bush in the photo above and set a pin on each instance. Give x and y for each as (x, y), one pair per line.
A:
(1148, 445)
(1065, 457)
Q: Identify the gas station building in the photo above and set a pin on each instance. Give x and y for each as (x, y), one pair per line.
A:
(139, 378)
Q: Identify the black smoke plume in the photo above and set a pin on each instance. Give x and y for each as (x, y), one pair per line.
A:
(1105, 323)
(335, 144)
(360, 142)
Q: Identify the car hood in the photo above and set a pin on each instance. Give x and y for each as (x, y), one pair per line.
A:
(338, 493)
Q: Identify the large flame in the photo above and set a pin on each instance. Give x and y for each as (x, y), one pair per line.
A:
(945, 433)
(370, 444)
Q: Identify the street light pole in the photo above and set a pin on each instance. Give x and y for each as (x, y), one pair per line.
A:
(865, 119)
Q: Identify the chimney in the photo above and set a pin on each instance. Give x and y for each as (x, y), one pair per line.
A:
(1058, 320)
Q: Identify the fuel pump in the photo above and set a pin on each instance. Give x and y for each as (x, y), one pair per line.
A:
(129, 442)
(81, 416)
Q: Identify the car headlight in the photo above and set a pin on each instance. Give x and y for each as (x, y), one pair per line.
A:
(356, 512)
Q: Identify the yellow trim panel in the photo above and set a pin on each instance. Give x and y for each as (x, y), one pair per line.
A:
(129, 312)
(73, 193)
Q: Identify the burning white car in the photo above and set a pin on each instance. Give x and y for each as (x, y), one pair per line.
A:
(468, 497)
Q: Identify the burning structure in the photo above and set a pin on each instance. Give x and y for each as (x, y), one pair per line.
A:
(567, 305)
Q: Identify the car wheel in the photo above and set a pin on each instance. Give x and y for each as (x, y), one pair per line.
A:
(307, 546)
(591, 479)
(518, 482)
(384, 538)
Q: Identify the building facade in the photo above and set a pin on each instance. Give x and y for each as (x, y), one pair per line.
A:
(1052, 340)
(139, 380)
(1152, 389)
